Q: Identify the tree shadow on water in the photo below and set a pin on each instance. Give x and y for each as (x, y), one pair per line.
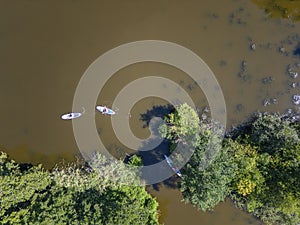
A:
(156, 111)
(156, 155)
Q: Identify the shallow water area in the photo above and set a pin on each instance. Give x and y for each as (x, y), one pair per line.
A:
(45, 48)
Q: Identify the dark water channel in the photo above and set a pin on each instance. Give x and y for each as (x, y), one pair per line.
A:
(46, 46)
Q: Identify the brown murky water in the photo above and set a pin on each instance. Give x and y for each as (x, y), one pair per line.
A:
(176, 212)
(45, 47)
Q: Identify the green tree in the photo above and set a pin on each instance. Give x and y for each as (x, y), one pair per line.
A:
(270, 133)
(247, 176)
(258, 164)
(275, 169)
(19, 189)
(207, 175)
(206, 188)
(182, 125)
(135, 160)
(72, 195)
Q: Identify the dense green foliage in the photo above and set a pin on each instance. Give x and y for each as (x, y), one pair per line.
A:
(276, 198)
(247, 176)
(206, 188)
(204, 184)
(181, 126)
(135, 160)
(72, 195)
(257, 165)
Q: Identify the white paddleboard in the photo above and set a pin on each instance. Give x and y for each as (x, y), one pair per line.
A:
(70, 116)
(105, 110)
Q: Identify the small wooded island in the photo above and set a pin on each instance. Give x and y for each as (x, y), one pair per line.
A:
(257, 164)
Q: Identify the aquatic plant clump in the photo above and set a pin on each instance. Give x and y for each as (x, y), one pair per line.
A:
(288, 9)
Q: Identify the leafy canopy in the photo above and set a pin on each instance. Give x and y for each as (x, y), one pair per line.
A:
(257, 165)
(273, 169)
(206, 176)
(72, 195)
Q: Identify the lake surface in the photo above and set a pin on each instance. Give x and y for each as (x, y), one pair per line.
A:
(46, 46)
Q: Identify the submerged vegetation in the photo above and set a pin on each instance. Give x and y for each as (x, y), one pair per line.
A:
(257, 165)
(71, 195)
(289, 9)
